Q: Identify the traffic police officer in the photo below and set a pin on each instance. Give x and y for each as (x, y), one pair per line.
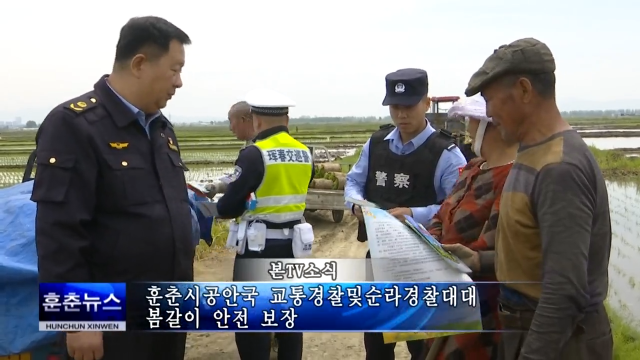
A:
(278, 170)
(110, 189)
(408, 169)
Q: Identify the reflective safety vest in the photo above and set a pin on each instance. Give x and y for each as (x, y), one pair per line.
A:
(282, 195)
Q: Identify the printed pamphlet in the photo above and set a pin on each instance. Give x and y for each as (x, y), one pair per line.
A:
(435, 245)
(362, 203)
(417, 261)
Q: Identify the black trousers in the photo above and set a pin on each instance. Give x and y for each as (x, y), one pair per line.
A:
(143, 346)
(374, 345)
(376, 349)
(591, 340)
(257, 346)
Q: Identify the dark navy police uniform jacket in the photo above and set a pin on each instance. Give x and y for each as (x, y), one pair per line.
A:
(112, 199)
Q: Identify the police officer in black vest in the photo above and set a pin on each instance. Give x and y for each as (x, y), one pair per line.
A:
(407, 169)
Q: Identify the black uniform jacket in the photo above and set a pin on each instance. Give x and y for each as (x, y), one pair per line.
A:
(112, 199)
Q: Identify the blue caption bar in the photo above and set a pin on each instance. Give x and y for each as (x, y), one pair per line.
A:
(305, 307)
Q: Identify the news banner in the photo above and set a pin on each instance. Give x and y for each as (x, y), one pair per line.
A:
(297, 295)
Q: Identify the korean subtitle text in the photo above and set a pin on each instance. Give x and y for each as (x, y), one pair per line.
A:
(282, 270)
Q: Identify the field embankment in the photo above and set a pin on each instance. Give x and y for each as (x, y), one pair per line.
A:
(615, 164)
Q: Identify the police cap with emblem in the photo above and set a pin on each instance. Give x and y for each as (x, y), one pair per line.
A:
(406, 87)
(268, 103)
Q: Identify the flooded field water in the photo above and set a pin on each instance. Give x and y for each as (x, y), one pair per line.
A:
(624, 272)
(609, 143)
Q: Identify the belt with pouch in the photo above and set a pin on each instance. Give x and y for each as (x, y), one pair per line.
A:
(282, 234)
(278, 231)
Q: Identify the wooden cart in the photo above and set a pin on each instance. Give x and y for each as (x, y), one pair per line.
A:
(318, 199)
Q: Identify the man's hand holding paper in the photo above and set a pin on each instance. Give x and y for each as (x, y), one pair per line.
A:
(469, 257)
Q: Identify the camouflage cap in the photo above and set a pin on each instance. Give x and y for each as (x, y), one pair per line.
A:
(524, 56)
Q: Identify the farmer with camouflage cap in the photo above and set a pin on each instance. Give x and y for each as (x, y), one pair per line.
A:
(554, 229)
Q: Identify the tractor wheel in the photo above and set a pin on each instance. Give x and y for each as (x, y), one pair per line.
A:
(337, 215)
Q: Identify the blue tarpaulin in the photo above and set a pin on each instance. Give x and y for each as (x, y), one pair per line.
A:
(19, 268)
(204, 224)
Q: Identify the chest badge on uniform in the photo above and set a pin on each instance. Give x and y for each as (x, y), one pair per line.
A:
(172, 146)
(118, 145)
(399, 88)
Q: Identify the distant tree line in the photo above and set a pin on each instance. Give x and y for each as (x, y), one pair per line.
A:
(601, 113)
(337, 119)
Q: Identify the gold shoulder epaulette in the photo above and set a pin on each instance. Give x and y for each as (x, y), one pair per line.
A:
(82, 103)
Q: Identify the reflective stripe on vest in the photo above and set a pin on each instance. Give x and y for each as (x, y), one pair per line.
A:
(282, 194)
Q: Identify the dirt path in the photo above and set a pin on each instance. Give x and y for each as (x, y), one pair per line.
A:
(332, 241)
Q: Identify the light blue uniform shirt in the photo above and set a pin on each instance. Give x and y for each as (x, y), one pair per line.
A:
(446, 174)
(140, 115)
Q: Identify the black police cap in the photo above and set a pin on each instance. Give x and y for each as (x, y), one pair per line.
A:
(406, 87)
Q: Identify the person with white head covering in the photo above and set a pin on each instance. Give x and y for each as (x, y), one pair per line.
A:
(469, 217)
(482, 130)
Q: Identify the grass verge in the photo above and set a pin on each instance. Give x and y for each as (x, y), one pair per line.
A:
(615, 163)
(348, 161)
(626, 344)
(219, 233)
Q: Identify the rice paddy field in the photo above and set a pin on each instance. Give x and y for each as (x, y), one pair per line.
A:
(209, 152)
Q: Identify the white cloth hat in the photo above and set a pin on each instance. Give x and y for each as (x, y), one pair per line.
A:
(473, 107)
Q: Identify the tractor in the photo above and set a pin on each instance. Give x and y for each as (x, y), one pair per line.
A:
(438, 115)
(440, 120)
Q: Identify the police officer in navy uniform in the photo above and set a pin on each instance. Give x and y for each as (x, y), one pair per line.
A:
(110, 189)
(407, 169)
(278, 170)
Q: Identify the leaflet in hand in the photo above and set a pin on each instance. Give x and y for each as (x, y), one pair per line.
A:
(400, 253)
(198, 188)
(361, 203)
(435, 245)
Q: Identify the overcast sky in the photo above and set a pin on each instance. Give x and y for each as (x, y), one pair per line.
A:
(330, 56)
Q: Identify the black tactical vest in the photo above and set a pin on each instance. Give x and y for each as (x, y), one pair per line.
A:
(403, 180)
(467, 151)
